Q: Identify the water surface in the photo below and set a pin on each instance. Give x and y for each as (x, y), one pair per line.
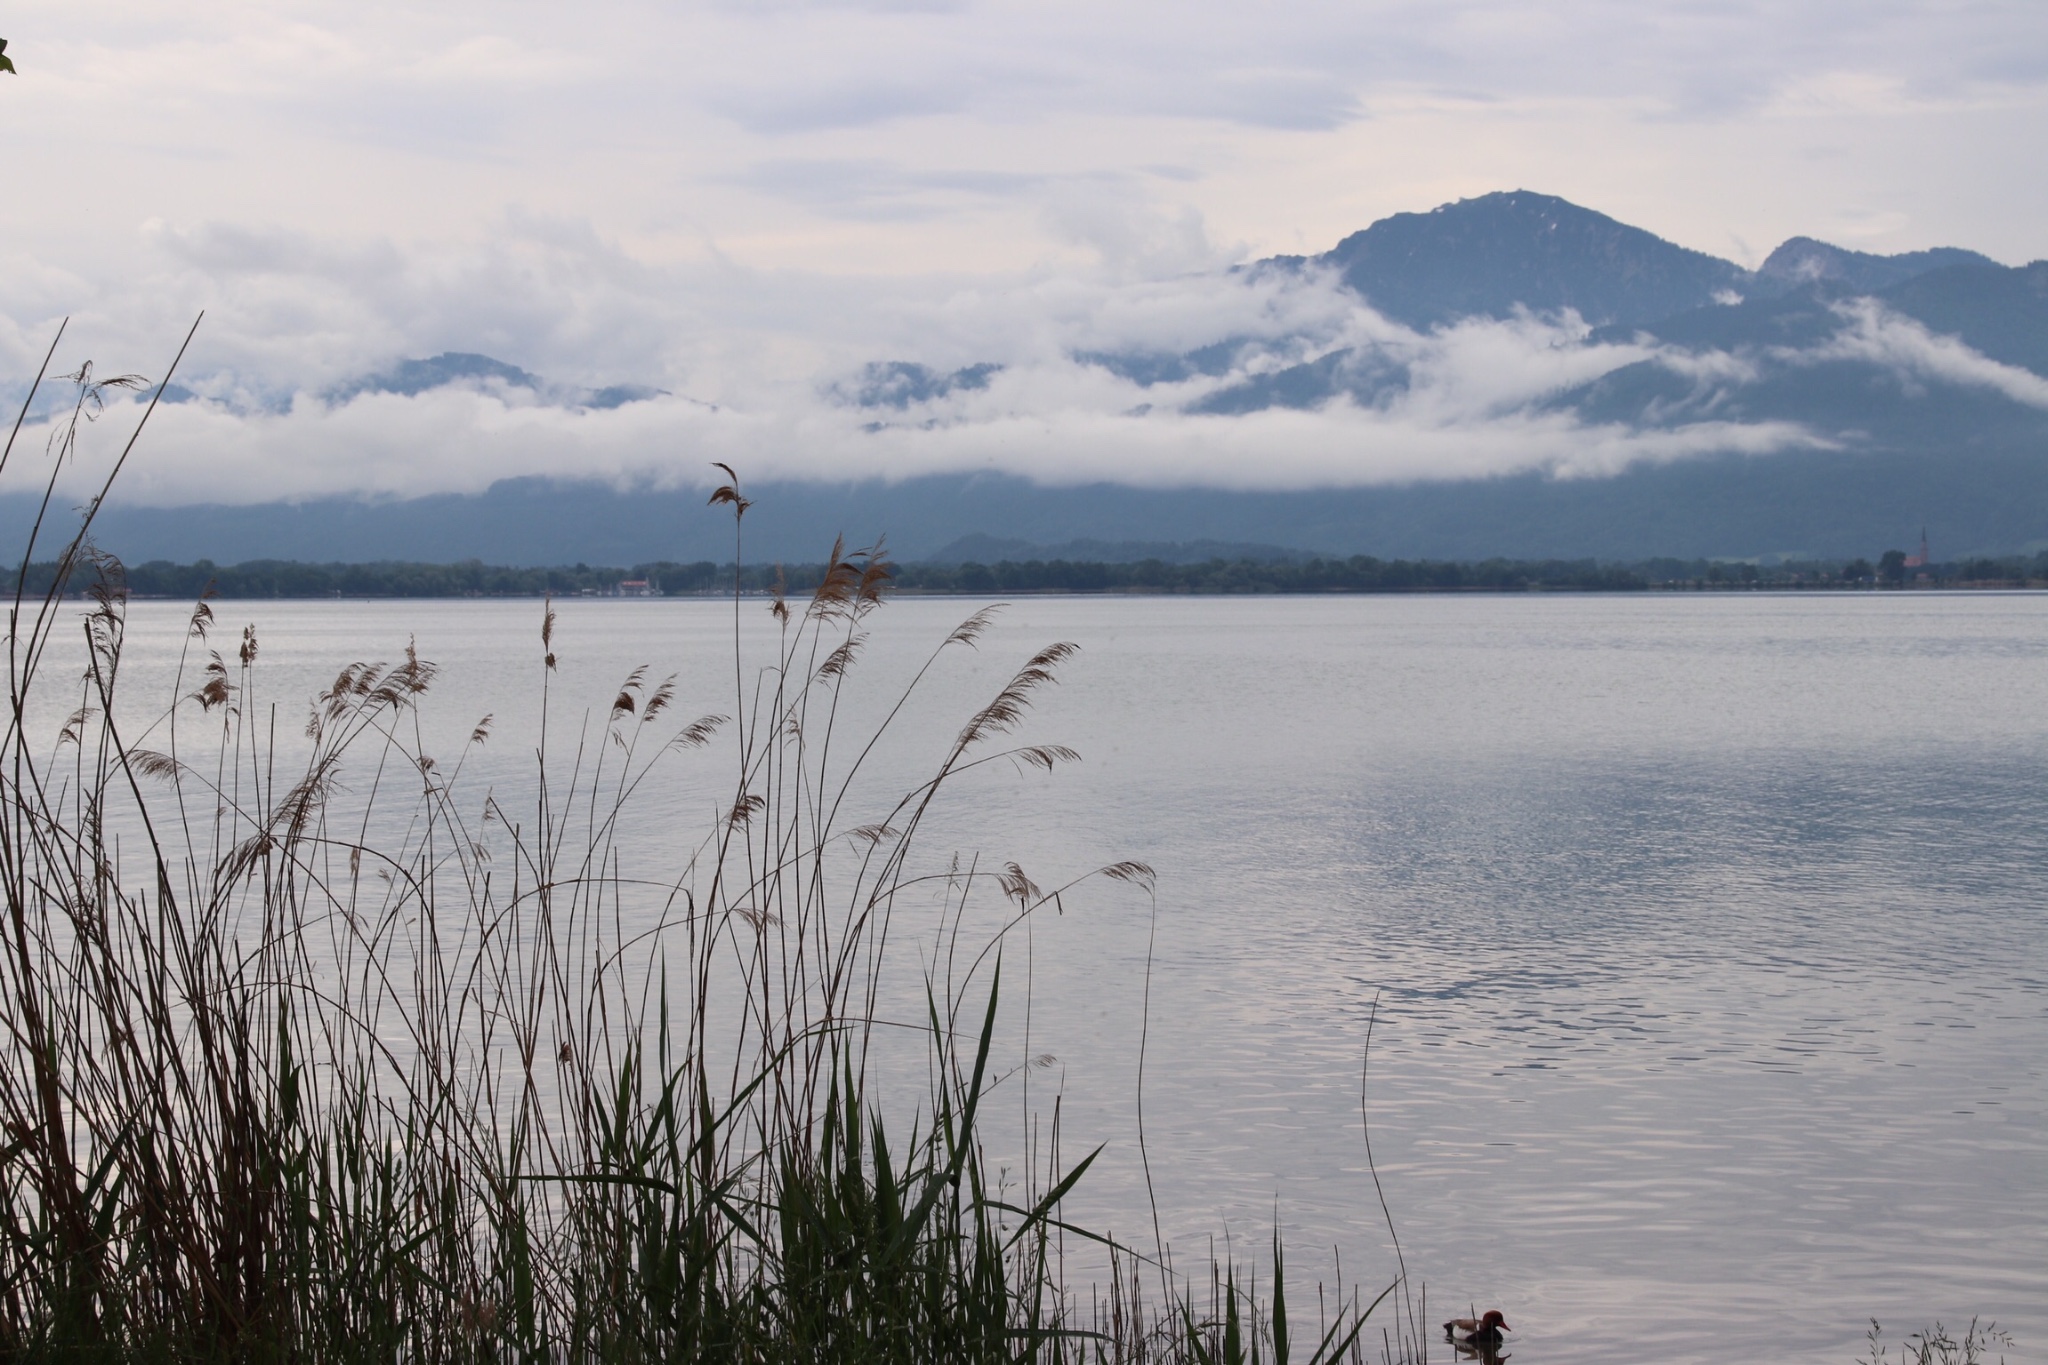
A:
(1707, 933)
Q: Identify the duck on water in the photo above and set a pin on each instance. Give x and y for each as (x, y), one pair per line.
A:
(1480, 1331)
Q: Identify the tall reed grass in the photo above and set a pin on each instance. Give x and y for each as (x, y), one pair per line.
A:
(313, 1052)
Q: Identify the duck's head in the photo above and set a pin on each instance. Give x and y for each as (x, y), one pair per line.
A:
(1494, 1322)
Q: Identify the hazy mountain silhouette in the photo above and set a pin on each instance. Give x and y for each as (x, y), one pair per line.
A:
(411, 377)
(1973, 500)
(2001, 313)
(1998, 311)
(465, 368)
(1802, 260)
(899, 384)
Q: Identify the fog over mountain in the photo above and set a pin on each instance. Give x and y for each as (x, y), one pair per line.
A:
(1510, 374)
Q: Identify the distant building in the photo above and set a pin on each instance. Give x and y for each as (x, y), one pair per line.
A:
(1923, 559)
(636, 587)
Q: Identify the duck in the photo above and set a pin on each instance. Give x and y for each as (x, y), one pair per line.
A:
(1480, 1331)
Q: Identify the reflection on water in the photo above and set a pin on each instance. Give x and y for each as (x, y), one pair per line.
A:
(1708, 935)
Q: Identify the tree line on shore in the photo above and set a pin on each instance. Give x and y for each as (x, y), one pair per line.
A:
(269, 578)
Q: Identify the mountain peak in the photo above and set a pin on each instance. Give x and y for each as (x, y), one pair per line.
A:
(410, 378)
(1534, 202)
(1806, 260)
(1511, 249)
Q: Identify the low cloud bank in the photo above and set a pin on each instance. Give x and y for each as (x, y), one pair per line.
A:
(1059, 377)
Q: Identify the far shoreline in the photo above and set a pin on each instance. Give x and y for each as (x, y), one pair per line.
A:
(1306, 576)
(1048, 594)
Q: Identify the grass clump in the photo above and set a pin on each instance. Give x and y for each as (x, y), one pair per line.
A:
(315, 1054)
(1934, 1346)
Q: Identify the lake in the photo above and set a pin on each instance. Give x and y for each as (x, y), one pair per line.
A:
(1708, 933)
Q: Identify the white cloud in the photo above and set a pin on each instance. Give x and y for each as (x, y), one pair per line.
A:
(1472, 403)
(1878, 336)
(457, 440)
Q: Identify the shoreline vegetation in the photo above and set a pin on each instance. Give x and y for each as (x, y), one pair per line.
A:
(1361, 574)
(318, 1046)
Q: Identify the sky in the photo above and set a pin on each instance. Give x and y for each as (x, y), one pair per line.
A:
(742, 204)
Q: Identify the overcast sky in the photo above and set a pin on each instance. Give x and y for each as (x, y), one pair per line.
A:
(739, 202)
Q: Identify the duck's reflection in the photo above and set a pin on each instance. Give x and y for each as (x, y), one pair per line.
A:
(1486, 1352)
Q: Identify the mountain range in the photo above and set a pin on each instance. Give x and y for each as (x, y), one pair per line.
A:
(1501, 253)
(1918, 383)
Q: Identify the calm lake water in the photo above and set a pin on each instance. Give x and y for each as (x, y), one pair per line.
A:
(1709, 934)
